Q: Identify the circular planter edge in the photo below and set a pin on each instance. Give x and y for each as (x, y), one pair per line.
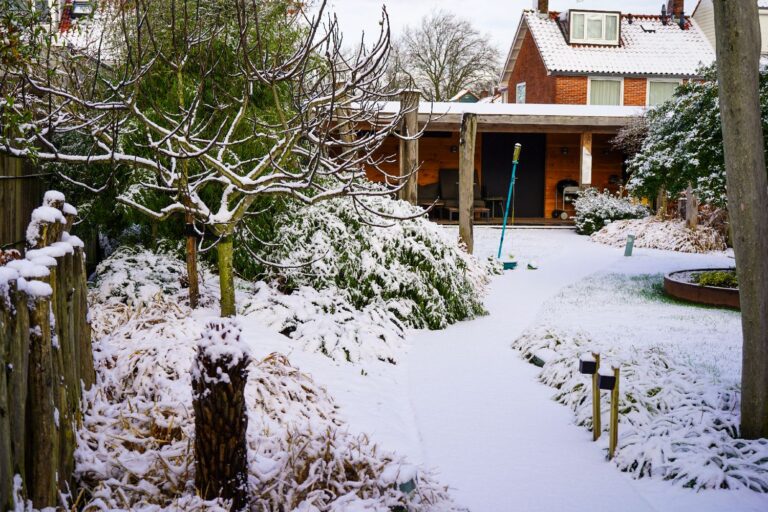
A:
(692, 292)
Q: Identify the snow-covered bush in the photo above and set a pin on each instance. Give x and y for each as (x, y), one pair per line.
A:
(668, 235)
(595, 209)
(676, 423)
(684, 142)
(409, 267)
(135, 445)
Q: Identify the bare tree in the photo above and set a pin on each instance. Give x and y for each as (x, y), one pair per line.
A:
(215, 152)
(738, 58)
(443, 55)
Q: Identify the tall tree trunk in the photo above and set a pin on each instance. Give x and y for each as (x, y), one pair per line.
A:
(738, 55)
(691, 208)
(224, 252)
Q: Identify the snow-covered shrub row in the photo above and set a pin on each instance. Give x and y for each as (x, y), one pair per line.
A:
(135, 450)
(595, 209)
(410, 267)
(675, 423)
(322, 320)
(669, 235)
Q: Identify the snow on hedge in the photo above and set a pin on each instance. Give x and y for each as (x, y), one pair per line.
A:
(135, 450)
(412, 268)
(595, 209)
(670, 235)
(676, 422)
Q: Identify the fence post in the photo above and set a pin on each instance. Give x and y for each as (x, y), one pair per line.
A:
(6, 463)
(18, 376)
(43, 441)
(82, 325)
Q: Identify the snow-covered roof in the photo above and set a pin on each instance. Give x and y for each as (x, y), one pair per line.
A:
(447, 115)
(763, 4)
(647, 48)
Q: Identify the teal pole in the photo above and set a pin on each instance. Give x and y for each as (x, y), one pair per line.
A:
(518, 147)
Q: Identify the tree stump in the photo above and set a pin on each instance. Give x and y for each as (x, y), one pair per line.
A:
(218, 381)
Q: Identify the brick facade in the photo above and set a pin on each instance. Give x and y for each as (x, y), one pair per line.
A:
(571, 90)
(635, 91)
(529, 68)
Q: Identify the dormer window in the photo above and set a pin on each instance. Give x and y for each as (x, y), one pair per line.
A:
(589, 27)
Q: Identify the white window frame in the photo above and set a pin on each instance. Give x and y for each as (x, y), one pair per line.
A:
(586, 39)
(517, 91)
(678, 81)
(612, 78)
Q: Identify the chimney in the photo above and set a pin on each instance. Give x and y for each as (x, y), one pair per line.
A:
(541, 5)
(675, 8)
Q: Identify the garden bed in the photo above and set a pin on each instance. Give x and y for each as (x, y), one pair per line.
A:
(682, 285)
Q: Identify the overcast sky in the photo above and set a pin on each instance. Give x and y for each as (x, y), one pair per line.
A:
(497, 18)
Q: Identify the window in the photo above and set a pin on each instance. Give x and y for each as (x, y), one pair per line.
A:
(764, 30)
(660, 91)
(81, 8)
(520, 93)
(606, 91)
(594, 27)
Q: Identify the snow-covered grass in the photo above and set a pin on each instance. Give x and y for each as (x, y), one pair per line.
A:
(321, 320)
(680, 367)
(135, 451)
(670, 235)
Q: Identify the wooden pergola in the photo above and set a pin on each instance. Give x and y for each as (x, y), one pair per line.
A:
(470, 118)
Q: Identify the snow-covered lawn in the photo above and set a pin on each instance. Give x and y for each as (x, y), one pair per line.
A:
(465, 405)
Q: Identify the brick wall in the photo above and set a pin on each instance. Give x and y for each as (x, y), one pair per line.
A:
(529, 68)
(635, 91)
(571, 90)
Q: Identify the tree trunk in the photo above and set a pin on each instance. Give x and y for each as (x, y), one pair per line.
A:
(738, 55)
(409, 149)
(191, 258)
(221, 419)
(226, 276)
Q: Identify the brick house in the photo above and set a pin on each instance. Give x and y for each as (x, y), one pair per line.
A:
(571, 80)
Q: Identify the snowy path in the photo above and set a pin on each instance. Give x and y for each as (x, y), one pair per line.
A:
(492, 431)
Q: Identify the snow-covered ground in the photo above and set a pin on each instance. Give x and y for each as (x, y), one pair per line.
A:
(463, 403)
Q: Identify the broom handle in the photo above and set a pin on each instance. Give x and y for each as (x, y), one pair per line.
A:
(518, 147)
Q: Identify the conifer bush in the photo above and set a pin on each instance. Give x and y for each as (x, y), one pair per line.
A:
(411, 267)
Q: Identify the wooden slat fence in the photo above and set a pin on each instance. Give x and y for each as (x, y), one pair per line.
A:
(45, 357)
(21, 190)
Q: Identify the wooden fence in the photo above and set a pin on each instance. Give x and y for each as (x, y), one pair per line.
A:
(21, 189)
(45, 357)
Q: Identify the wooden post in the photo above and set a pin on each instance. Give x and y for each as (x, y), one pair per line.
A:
(18, 378)
(585, 159)
(691, 208)
(467, 177)
(614, 434)
(409, 149)
(6, 448)
(82, 326)
(221, 420)
(43, 439)
(596, 423)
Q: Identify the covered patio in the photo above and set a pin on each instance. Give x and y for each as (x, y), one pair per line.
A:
(464, 158)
